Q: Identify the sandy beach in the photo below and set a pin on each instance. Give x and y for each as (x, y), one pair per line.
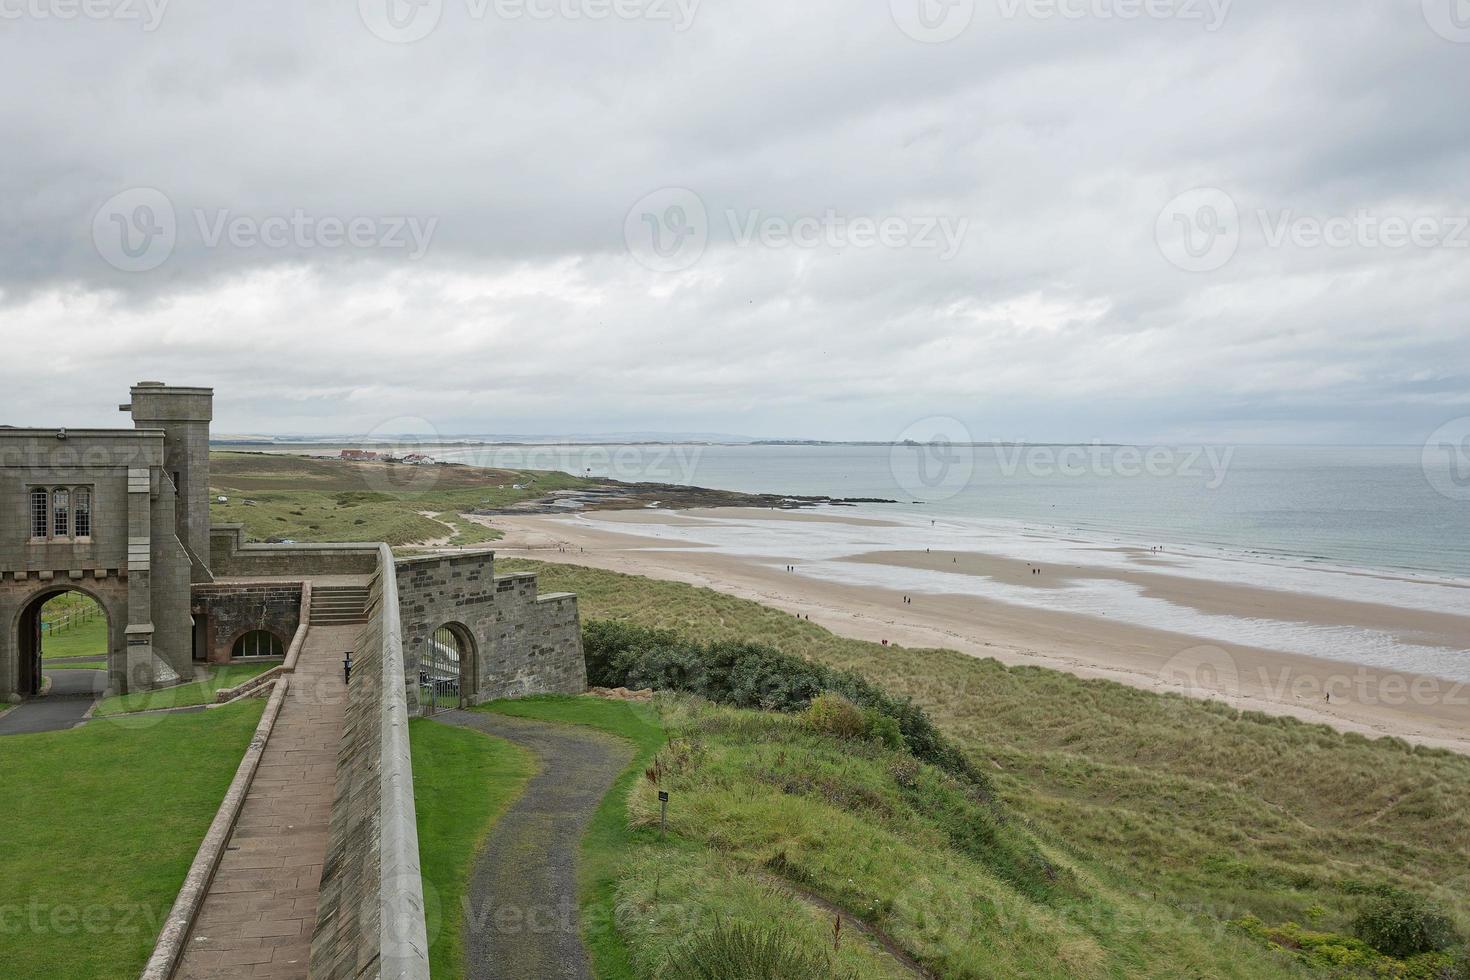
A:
(1419, 707)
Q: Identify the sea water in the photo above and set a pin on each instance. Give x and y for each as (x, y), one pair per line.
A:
(1383, 507)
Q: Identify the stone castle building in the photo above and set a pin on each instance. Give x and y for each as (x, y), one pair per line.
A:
(122, 515)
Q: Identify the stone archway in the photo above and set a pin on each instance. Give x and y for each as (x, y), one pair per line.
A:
(448, 672)
(25, 671)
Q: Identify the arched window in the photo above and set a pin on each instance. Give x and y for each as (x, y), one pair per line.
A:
(258, 643)
(61, 513)
(82, 513)
(40, 526)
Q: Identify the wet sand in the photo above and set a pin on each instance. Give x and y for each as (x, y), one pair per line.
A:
(1368, 700)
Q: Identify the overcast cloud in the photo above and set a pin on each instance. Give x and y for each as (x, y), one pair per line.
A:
(820, 219)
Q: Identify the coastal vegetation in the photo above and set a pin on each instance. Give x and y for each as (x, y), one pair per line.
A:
(1178, 822)
(281, 497)
(92, 861)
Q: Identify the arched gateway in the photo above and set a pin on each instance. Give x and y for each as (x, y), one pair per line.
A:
(28, 632)
(119, 514)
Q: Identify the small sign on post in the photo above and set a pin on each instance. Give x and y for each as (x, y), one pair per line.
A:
(663, 816)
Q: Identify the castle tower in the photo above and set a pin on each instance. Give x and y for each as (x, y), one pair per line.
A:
(184, 415)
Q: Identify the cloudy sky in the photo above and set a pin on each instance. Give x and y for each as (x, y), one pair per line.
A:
(1130, 220)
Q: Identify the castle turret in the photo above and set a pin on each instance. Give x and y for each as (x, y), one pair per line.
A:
(184, 415)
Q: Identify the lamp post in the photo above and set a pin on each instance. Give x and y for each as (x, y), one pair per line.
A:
(347, 668)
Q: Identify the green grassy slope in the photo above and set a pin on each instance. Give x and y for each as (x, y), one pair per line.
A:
(772, 825)
(1197, 810)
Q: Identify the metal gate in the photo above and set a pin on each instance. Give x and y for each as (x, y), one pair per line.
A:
(439, 672)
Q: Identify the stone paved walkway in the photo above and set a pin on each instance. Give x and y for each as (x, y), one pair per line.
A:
(258, 916)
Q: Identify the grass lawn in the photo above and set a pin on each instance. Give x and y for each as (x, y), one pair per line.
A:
(182, 695)
(1211, 813)
(77, 641)
(463, 781)
(98, 834)
(79, 665)
(609, 839)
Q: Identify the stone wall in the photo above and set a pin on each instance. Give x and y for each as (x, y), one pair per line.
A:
(370, 910)
(132, 547)
(520, 643)
(227, 612)
(230, 556)
(537, 643)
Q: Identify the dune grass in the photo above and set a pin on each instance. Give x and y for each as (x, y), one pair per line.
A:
(770, 821)
(92, 861)
(181, 695)
(1201, 810)
(463, 780)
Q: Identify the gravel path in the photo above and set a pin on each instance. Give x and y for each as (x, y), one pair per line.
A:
(522, 920)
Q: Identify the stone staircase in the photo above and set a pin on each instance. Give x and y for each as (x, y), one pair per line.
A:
(339, 605)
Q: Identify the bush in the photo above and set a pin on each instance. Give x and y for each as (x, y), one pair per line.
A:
(609, 646)
(833, 714)
(753, 675)
(1402, 925)
(746, 952)
(883, 729)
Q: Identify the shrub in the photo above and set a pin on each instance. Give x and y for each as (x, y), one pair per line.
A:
(610, 645)
(753, 675)
(743, 952)
(883, 729)
(833, 714)
(1402, 925)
